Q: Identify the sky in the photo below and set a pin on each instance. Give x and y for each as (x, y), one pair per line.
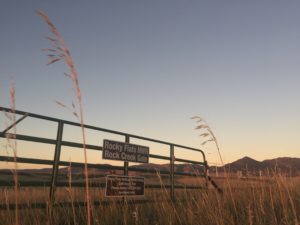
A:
(146, 67)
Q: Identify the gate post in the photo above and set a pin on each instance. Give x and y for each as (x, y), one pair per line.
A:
(126, 164)
(56, 162)
(172, 159)
(206, 173)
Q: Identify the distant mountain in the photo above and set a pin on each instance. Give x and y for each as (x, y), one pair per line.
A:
(284, 165)
(244, 163)
(180, 168)
(152, 166)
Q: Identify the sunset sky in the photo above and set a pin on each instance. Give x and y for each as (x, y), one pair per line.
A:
(146, 67)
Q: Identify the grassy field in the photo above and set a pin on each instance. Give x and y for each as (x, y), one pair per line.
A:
(266, 201)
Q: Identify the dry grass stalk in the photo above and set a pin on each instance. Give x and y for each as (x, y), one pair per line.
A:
(59, 51)
(11, 144)
(70, 192)
(209, 134)
(203, 125)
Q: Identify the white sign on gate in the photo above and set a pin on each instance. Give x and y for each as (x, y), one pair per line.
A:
(122, 151)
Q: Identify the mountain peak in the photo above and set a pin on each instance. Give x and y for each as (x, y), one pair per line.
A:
(245, 163)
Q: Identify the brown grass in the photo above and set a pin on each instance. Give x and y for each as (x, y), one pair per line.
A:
(11, 144)
(59, 51)
(273, 201)
(208, 133)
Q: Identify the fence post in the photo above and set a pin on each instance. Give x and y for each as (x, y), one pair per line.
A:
(56, 161)
(206, 173)
(172, 159)
(126, 164)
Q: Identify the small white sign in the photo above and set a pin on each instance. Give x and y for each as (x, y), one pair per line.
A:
(119, 186)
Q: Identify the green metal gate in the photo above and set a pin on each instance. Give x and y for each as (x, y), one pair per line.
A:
(56, 162)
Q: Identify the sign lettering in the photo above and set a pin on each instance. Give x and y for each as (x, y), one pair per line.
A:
(125, 151)
(117, 186)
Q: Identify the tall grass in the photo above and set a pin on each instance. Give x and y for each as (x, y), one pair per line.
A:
(271, 201)
(208, 133)
(59, 51)
(11, 143)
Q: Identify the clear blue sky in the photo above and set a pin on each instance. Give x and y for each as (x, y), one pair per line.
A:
(146, 67)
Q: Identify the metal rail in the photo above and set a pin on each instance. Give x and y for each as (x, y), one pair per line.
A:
(59, 142)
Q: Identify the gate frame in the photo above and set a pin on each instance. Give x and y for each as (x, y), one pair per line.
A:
(59, 142)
